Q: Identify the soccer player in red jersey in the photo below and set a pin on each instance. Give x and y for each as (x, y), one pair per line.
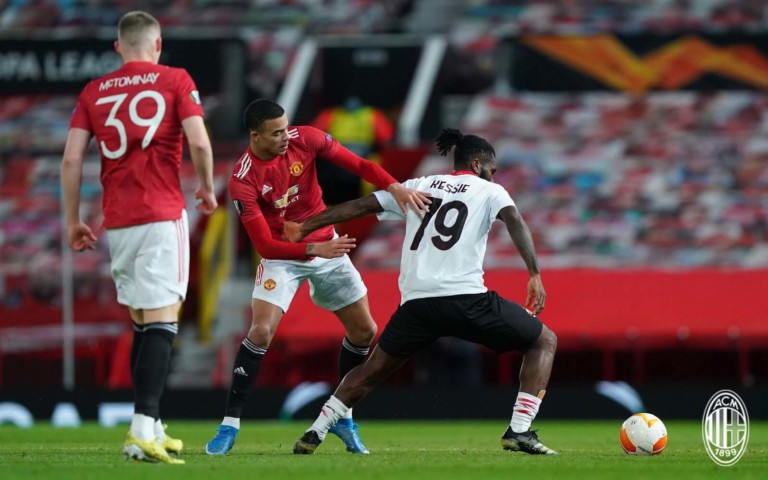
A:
(138, 114)
(275, 180)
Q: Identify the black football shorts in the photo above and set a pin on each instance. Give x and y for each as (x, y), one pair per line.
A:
(483, 318)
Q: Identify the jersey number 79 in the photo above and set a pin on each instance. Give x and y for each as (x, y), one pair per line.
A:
(439, 211)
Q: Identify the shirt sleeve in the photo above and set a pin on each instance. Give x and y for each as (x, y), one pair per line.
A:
(327, 147)
(80, 117)
(499, 199)
(246, 203)
(389, 204)
(188, 103)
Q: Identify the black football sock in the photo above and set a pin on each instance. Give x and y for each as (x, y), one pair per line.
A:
(152, 365)
(244, 373)
(138, 337)
(351, 356)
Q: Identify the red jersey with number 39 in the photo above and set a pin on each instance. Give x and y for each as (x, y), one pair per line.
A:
(135, 113)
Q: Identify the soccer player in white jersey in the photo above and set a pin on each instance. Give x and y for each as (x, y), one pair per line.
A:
(442, 288)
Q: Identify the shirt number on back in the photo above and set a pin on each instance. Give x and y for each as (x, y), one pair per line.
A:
(152, 123)
(440, 211)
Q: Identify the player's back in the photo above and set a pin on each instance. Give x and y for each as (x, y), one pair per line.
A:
(135, 113)
(443, 251)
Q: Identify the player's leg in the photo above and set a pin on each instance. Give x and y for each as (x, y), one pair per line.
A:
(409, 330)
(152, 364)
(170, 444)
(360, 330)
(506, 326)
(356, 385)
(276, 283)
(337, 286)
(150, 265)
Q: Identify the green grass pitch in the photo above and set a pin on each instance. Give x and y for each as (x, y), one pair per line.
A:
(400, 450)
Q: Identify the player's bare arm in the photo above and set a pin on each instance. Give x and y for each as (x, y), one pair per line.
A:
(79, 235)
(295, 232)
(521, 236)
(202, 158)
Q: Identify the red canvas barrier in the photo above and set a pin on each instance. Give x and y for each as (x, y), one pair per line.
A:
(619, 307)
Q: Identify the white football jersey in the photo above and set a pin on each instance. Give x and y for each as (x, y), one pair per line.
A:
(443, 251)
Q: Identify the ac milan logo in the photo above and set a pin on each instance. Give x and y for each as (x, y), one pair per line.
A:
(725, 428)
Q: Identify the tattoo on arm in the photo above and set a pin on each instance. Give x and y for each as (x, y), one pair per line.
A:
(342, 212)
(521, 236)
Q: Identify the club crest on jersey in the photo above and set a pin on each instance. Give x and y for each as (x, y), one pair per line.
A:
(296, 168)
(194, 95)
(269, 285)
(239, 206)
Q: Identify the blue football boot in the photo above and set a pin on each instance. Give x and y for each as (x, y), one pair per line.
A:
(223, 441)
(347, 431)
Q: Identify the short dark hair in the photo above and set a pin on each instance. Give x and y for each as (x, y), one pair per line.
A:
(467, 147)
(259, 111)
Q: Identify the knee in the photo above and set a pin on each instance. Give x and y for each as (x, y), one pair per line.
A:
(547, 340)
(261, 335)
(363, 333)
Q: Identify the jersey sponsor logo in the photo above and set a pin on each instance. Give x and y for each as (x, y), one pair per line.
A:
(269, 284)
(293, 133)
(194, 95)
(245, 165)
(296, 168)
(239, 206)
(286, 199)
(265, 189)
(150, 78)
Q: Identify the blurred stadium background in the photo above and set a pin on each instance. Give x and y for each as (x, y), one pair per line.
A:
(632, 134)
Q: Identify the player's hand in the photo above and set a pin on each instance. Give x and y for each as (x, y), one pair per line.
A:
(536, 295)
(292, 232)
(338, 247)
(207, 202)
(419, 201)
(80, 237)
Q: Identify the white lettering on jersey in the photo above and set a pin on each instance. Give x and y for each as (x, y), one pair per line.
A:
(245, 165)
(150, 78)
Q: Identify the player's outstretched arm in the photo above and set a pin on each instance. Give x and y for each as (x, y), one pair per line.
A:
(202, 157)
(295, 232)
(521, 236)
(79, 235)
(373, 173)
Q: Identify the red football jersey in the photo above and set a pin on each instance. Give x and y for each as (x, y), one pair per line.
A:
(135, 113)
(266, 193)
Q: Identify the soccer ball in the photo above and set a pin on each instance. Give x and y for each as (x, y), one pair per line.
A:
(643, 434)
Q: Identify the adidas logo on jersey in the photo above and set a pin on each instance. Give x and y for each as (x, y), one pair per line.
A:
(241, 371)
(265, 189)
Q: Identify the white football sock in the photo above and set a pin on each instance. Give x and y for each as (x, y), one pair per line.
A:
(231, 422)
(142, 427)
(159, 430)
(348, 414)
(526, 408)
(332, 411)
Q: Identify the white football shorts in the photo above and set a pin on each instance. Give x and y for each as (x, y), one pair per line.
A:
(333, 283)
(150, 263)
